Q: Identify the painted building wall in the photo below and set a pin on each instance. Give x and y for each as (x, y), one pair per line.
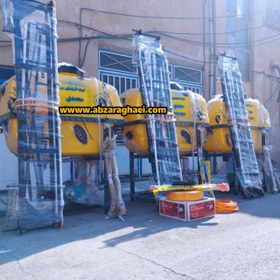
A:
(265, 64)
(172, 19)
(180, 25)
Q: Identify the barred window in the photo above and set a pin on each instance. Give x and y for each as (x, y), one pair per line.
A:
(184, 74)
(120, 82)
(116, 61)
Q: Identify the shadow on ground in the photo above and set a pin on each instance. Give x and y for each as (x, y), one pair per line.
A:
(142, 221)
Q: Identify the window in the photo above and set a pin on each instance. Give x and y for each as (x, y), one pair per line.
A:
(120, 82)
(6, 73)
(230, 28)
(242, 9)
(117, 70)
(237, 28)
(188, 78)
(242, 34)
(185, 74)
(193, 88)
(238, 8)
(243, 62)
(116, 61)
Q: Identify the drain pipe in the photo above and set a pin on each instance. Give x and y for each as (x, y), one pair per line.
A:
(212, 70)
(213, 52)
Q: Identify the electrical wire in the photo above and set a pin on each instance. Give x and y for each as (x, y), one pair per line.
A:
(168, 17)
(259, 42)
(185, 57)
(85, 53)
(191, 42)
(197, 43)
(129, 37)
(163, 31)
(277, 89)
(265, 43)
(207, 33)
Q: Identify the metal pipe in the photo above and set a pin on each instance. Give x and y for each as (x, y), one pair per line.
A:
(212, 26)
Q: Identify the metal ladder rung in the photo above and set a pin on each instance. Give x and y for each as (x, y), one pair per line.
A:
(154, 82)
(245, 158)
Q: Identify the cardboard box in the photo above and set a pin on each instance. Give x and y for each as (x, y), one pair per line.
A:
(187, 211)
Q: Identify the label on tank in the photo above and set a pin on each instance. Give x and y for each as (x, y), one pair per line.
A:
(80, 134)
(217, 119)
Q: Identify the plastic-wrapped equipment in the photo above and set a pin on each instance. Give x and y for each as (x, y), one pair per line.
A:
(155, 88)
(82, 131)
(37, 199)
(259, 120)
(86, 188)
(190, 110)
(218, 137)
(246, 165)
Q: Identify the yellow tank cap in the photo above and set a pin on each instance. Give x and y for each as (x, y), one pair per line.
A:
(70, 70)
(185, 195)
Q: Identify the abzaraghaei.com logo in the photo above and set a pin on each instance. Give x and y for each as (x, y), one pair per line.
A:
(124, 111)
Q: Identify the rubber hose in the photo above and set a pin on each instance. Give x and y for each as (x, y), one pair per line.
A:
(224, 206)
(185, 195)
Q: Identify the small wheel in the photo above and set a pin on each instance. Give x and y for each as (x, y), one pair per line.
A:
(20, 231)
(59, 224)
(261, 192)
(247, 194)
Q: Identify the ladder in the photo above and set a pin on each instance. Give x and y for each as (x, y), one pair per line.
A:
(155, 89)
(246, 166)
(40, 190)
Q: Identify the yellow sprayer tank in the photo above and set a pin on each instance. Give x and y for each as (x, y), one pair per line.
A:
(190, 109)
(219, 139)
(81, 133)
(259, 119)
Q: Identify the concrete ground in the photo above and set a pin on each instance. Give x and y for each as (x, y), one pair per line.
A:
(243, 245)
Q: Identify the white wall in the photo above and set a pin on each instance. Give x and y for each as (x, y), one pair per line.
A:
(8, 165)
(122, 157)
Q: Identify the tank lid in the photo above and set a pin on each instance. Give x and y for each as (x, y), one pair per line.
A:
(176, 86)
(70, 68)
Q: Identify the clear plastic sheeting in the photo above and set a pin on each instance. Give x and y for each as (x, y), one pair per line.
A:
(190, 110)
(86, 188)
(23, 213)
(84, 131)
(155, 89)
(117, 205)
(218, 137)
(270, 176)
(37, 200)
(246, 166)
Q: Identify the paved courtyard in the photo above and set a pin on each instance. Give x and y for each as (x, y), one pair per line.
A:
(244, 245)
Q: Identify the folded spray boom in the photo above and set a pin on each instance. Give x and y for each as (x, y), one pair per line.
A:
(224, 187)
